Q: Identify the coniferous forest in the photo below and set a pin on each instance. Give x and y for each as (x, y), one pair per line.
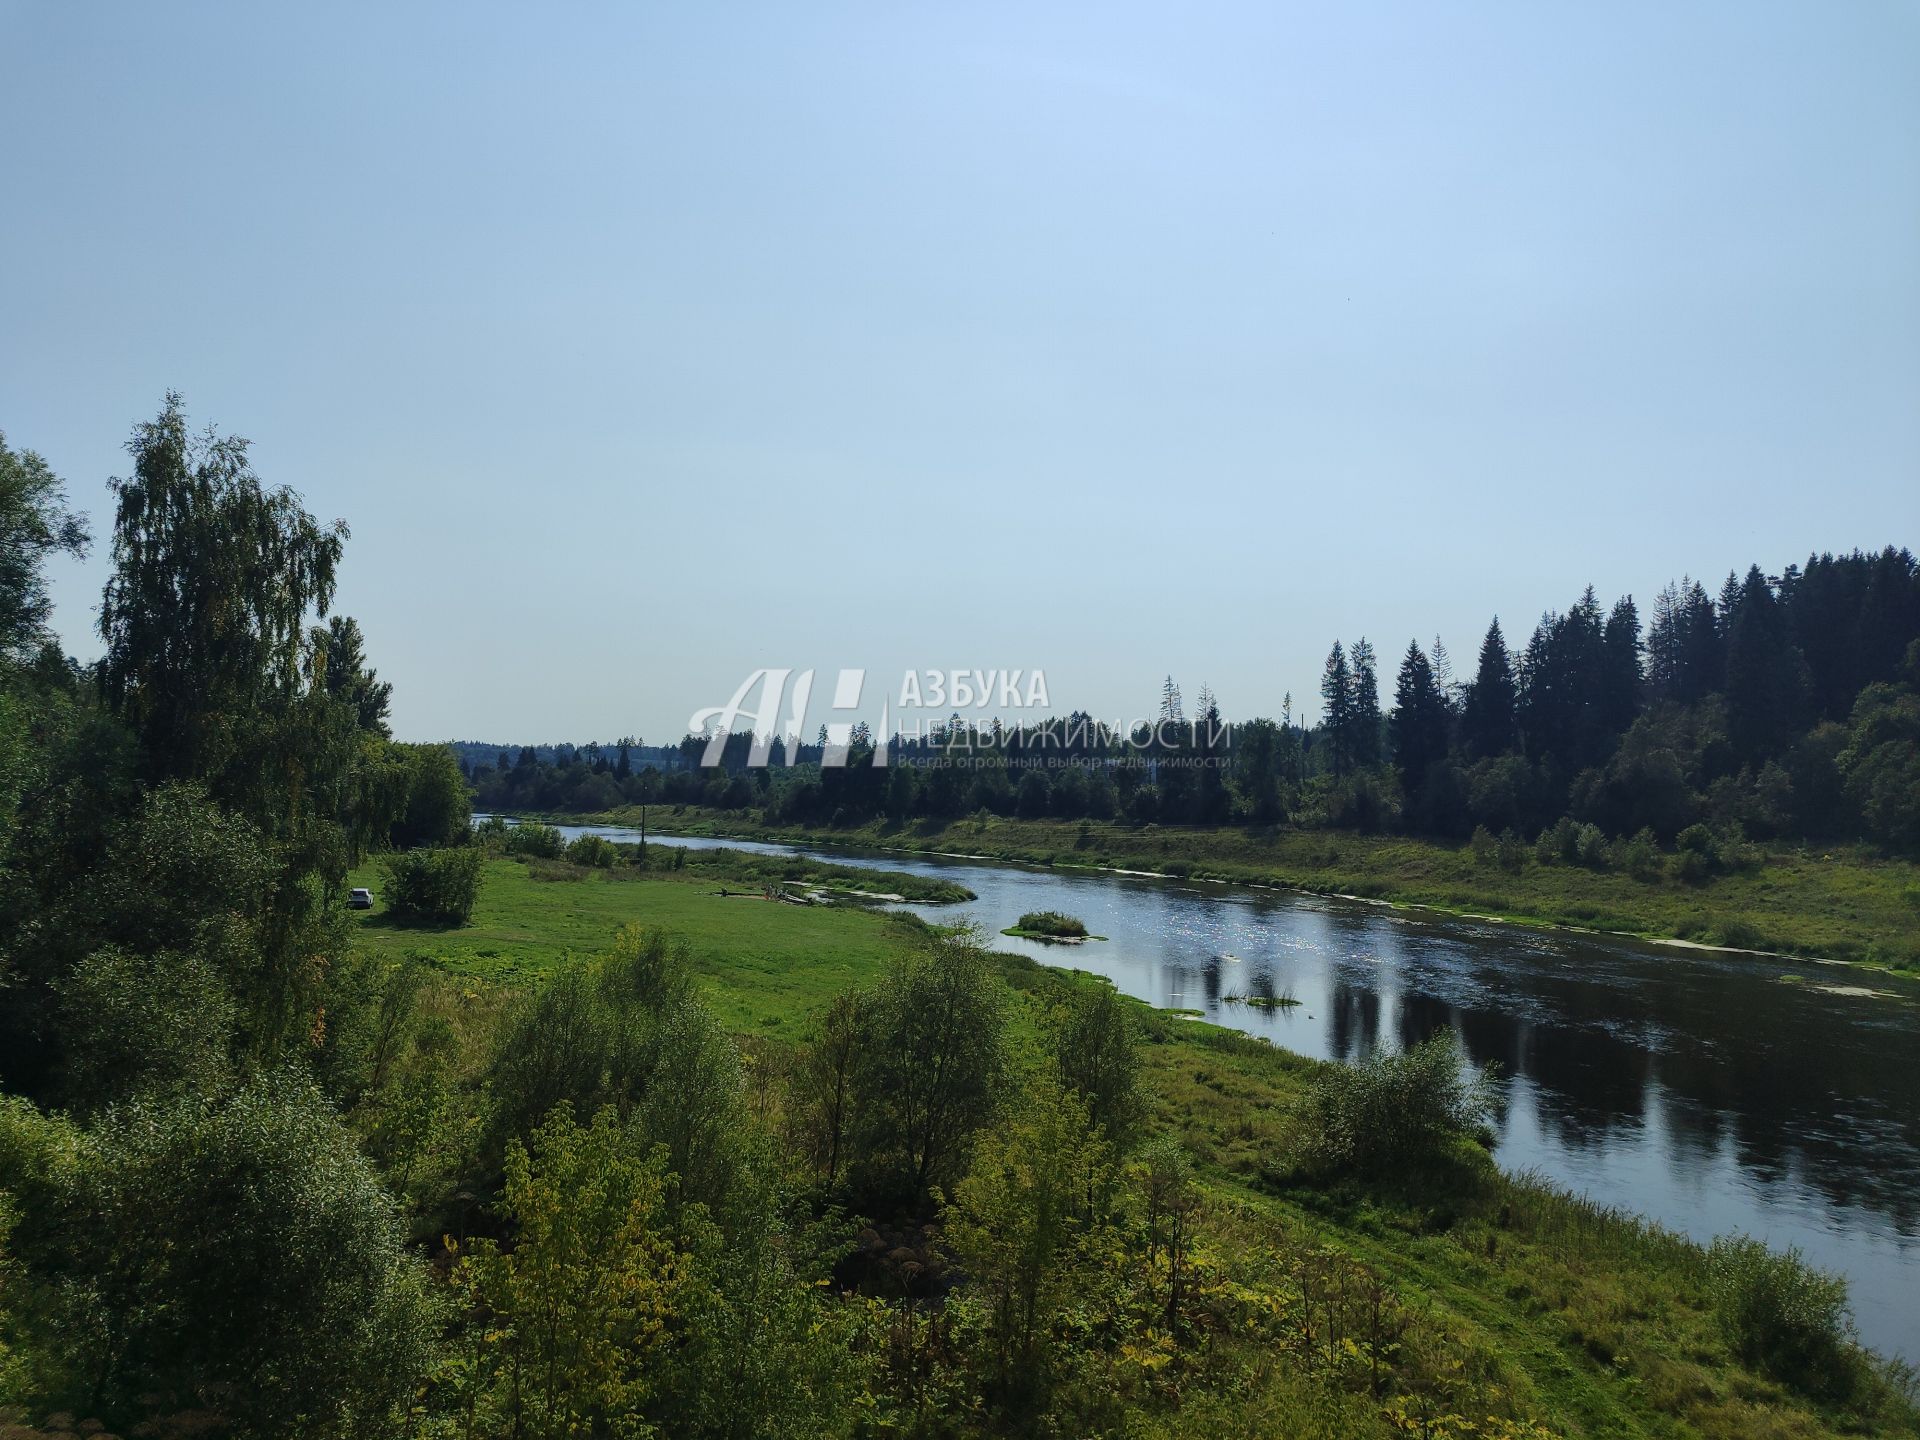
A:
(1786, 708)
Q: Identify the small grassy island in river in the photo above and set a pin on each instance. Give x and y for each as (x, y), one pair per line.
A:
(1052, 927)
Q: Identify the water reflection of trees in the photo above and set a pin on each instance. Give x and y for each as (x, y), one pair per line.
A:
(1772, 1076)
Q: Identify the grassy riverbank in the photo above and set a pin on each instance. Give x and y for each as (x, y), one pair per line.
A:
(1841, 904)
(1582, 1322)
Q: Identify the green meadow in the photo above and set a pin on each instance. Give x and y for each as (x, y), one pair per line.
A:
(1590, 1322)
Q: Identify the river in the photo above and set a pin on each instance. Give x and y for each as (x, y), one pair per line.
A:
(1712, 1093)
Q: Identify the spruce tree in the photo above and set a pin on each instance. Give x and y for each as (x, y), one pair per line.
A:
(1766, 677)
(1365, 745)
(1487, 724)
(1336, 713)
(1620, 661)
(1419, 722)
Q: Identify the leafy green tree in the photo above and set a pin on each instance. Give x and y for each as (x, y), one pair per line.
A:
(1096, 1055)
(144, 1024)
(829, 1076)
(1395, 1111)
(934, 1070)
(579, 1313)
(1783, 1316)
(1881, 761)
(1031, 803)
(1257, 760)
(1017, 1217)
(213, 578)
(1171, 1199)
(349, 679)
(439, 807)
(626, 1030)
(236, 1255)
(35, 524)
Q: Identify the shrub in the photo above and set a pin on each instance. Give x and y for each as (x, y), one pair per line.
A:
(1511, 853)
(1590, 847)
(1486, 849)
(1393, 1111)
(594, 851)
(1559, 844)
(239, 1256)
(1696, 840)
(535, 841)
(1692, 867)
(1781, 1315)
(1052, 923)
(434, 887)
(1640, 856)
(626, 1030)
(144, 1023)
(1363, 802)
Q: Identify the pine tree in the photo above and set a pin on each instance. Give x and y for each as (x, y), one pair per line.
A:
(1210, 799)
(1766, 677)
(1488, 726)
(1419, 721)
(1665, 648)
(1442, 664)
(1705, 666)
(1336, 714)
(1620, 660)
(1365, 745)
(1170, 707)
(349, 679)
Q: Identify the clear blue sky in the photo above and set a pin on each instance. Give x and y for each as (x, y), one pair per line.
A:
(641, 345)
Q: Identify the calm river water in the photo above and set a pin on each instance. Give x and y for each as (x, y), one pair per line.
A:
(1704, 1091)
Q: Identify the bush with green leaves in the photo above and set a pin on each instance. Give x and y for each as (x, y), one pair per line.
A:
(438, 808)
(932, 1070)
(627, 1030)
(1639, 856)
(1486, 849)
(434, 887)
(534, 841)
(617, 1312)
(1096, 1053)
(595, 852)
(1781, 1315)
(1559, 843)
(235, 1255)
(133, 1024)
(1394, 1112)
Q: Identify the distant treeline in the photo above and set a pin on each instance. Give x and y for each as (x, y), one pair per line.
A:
(1787, 706)
(476, 755)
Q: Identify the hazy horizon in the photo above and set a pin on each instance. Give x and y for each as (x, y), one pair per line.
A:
(641, 350)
